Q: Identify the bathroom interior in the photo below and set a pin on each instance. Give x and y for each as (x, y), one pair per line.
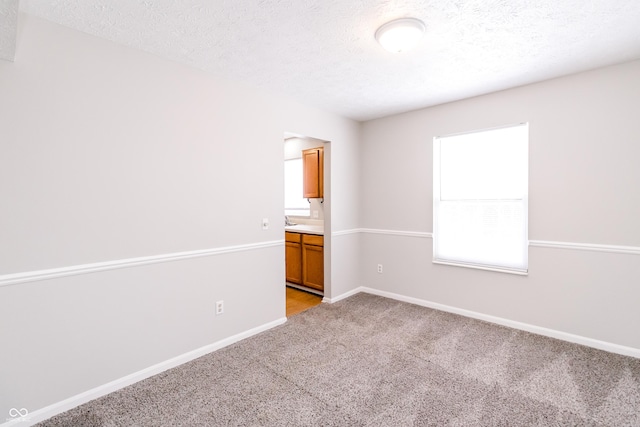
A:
(304, 164)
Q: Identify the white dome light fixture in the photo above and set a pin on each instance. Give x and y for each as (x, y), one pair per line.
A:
(400, 35)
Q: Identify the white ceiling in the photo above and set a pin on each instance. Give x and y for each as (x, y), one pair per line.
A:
(323, 52)
(8, 28)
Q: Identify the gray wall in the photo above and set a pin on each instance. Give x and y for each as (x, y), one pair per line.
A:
(583, 189)
(110, 155)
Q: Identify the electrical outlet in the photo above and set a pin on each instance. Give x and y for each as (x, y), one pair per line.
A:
(315, 214)
(219, 307)
(379, 268)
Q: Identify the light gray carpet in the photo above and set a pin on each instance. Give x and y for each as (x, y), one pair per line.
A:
(372, 361)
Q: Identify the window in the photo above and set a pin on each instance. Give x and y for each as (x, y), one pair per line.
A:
(294, 203)
(480, 195)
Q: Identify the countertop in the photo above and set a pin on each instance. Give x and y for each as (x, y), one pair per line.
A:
(305, 229)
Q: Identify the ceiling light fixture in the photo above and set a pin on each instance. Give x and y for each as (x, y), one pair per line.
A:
(400, 35)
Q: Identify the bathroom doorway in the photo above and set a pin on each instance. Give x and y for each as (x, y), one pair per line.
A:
(306, 162)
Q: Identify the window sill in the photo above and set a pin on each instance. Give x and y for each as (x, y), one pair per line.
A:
(483, 267)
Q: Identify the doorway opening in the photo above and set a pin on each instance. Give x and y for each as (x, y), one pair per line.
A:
(307, 243)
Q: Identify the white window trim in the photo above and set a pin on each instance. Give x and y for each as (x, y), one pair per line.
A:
(436, 200)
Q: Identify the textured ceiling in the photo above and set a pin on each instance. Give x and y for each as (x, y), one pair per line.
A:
(8, 28)
(323, 52)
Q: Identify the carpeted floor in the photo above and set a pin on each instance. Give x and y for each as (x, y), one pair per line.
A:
(372, 361)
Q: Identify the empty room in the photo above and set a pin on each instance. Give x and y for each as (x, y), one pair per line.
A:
(449, 188)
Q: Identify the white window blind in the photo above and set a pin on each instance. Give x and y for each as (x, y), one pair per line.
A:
(294, 203)
(480, 190)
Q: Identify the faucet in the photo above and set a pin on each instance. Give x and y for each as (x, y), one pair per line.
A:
(287, 222)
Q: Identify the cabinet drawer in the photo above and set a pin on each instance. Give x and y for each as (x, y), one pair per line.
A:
(312, 239)
(291, 237)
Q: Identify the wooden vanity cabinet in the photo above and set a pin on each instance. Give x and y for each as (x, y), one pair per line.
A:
(293, 257)
(304, 255)
(313, 261)
(313, 173)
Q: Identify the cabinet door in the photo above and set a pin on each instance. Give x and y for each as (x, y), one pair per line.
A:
(313, 173)
(293, 257)
(313, 267)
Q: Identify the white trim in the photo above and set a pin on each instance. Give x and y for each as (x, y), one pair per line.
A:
(616, 249)
(482, 267)
(74, 401)
(345, 232)
(422, 234)
(564, 336)
(32, 276)
(343, 296)
(70, 403)
(634, 250)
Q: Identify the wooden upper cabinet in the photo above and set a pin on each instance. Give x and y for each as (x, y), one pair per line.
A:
(313, 173)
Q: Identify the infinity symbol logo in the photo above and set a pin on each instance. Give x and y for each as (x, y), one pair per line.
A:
(14, 413)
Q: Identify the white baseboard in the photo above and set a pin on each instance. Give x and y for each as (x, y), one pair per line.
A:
(343, 296)
(70, 403)
(565, 336)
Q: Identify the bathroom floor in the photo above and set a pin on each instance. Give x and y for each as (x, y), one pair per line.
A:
(299, 301)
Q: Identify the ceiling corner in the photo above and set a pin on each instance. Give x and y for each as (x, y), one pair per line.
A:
(8, 29)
